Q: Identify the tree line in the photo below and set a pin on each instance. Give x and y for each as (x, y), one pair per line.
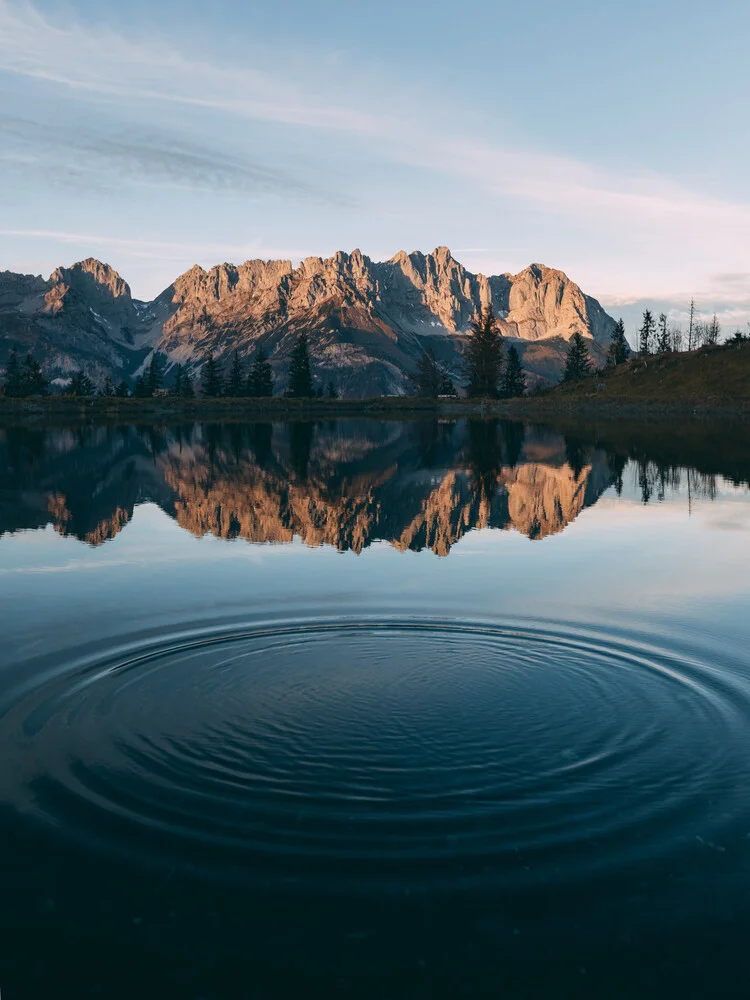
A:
(492, 373)
(488, 371)
(661, 337)
(256, 380)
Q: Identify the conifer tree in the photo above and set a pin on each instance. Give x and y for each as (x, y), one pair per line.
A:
(429, 377)
(484, 356)
(13, 386)
(211, 380)
(236, 383)
(122, 391)
(155, 376)
(108, 390)
(80, 385)
(514, 380)
(33, 381)
(186, 389)
(664, 339)
(141, 388)
(176, 389)
(447, 388)
(578, 362)
(260, 377)
(646, 333)
(618, 347)
(300, 376)
(332, 391)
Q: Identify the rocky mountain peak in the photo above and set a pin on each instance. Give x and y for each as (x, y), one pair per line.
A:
(91, 274)
(544, 302)
(443, 256)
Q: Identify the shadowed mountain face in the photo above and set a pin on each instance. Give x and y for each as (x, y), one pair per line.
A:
(419, 485)
(367, 321)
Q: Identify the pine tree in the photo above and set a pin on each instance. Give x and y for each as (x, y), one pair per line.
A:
(447, 388)
(260, 377)
(484, 356)
(186, 389)
(107, 390)
(176, 389)
(141, 388)
(664, 339)
(429, 377)
(300, 376)
(155, 376)
(647, 332)
(514, 380)
(80, 385)
(332, 391)
(211, 380)
(13, 386)
(578, 362)
(122, 391)
(33, 381)
(618, 347)
(236, 383)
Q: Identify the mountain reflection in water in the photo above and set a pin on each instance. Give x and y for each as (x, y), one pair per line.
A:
(346, 484)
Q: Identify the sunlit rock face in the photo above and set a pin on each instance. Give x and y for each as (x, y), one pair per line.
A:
(367, 321)
(346, 485)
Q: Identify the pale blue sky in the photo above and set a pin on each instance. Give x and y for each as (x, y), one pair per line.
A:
(608, 140)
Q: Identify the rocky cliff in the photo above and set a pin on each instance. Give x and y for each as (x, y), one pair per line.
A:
(367, 321)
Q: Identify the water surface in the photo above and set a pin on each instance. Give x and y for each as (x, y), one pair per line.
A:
(377, 709)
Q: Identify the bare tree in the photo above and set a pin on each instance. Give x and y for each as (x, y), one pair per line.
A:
(691, 326)
(677, 336)
(712, 331)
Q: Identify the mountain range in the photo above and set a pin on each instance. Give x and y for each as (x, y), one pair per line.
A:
(367, 321)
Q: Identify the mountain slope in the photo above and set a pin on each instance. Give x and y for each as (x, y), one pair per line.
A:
(710, 375)
(82, 316)
(367, 321)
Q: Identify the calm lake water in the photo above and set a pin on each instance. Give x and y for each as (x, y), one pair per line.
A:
(373, 709)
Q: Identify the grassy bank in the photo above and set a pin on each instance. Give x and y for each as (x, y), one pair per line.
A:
(710, 377)
(580, 405)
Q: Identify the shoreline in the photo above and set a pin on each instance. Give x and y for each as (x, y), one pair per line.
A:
(29, 411)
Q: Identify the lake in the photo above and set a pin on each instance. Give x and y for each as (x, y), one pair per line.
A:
(375, 709)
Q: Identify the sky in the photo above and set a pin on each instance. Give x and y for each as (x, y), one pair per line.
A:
(607, 140)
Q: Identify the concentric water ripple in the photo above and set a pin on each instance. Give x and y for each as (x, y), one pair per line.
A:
(387, 753)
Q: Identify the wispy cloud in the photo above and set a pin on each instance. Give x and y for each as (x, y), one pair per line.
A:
(136, 156)
(103, 62)
(567, 186)
(665, 228)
